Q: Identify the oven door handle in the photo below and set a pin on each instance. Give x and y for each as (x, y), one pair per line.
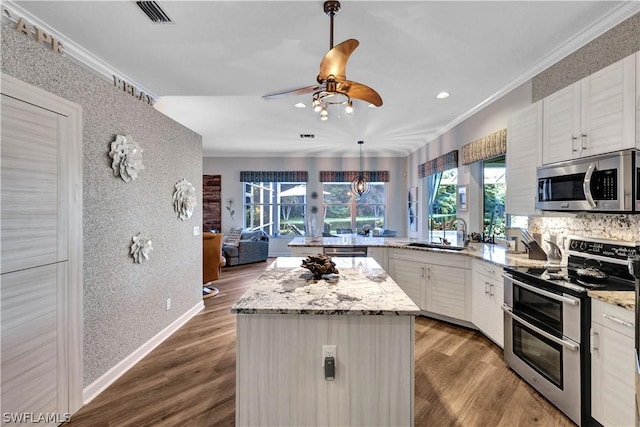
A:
(568, 344)
(561, 298)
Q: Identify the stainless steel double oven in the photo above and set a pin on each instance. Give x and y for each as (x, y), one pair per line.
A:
(543, 338)
(548, 319)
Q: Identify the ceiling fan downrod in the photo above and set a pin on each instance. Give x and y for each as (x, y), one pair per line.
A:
(331, 7)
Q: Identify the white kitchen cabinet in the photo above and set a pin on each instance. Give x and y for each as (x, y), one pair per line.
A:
(448, 291)
(488, 296)
(595, 115)
(411, 277)
(524, 155)
(612, 364)
(381, 256)
(437, 283)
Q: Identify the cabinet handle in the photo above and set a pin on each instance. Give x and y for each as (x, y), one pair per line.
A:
(429, 273)
(488, 270)
(619, 321)
(583, 141)
(573, 143)
(491, 290)
(593, 337)
(422, 272)
(486, 288)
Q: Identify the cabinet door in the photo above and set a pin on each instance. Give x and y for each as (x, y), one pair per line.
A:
(410, 276)
(608, 114)
(561, 125)
(305, 250)
(524, 154)
(494, 311)
(612, 377)
(480, 302)
(447, 291)
(380, 255)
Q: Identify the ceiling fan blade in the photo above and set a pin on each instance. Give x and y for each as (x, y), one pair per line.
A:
(335, 61)
(360, 91)
(291, 92)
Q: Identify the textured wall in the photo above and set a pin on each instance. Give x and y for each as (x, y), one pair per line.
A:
(617, 43)
(124, 303)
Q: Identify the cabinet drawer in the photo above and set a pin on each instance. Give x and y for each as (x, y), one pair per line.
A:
(492, 271)
(430, 257)
(613, 317)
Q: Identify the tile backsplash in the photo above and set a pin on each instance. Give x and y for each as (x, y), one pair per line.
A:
(624, 227)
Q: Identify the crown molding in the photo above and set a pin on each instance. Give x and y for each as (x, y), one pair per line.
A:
(74, 51)
(616, 16)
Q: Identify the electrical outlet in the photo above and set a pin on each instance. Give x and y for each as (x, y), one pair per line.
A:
(196, 231)
(328, 351)
(168, 303)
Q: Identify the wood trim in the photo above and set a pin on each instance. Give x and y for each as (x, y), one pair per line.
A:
(18, 89)
(109, 377)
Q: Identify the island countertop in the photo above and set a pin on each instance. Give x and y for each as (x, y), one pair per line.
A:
(362, 287)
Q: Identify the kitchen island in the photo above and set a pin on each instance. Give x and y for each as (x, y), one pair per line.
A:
(285, 319)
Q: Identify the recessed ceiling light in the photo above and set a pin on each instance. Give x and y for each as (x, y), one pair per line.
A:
(300, 105)
(443, 95)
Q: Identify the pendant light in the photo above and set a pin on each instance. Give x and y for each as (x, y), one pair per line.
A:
(360, 186)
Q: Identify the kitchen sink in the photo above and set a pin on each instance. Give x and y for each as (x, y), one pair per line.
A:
(436, 246)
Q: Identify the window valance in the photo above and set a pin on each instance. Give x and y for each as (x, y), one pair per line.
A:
(274, 176)
(485, 148)
(348, 176)
(439, 164)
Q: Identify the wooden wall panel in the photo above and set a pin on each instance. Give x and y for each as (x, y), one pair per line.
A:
(211, 202)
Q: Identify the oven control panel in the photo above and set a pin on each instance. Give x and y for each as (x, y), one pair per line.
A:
(602, 248)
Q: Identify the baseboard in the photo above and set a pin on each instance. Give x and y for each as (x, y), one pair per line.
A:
(109, 377)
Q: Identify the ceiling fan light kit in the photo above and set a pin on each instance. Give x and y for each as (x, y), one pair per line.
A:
(333, 88)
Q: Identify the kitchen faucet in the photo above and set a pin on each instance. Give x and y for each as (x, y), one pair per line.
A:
(465, 238)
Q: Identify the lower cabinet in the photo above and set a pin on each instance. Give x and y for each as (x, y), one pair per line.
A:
(488, 296)
(437, 283)
(381, 256)
(411, 277)
(612, 364)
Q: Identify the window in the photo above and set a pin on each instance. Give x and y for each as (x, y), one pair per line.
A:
(344, 210)
(442, 209)
(493, 193)
(275, 207)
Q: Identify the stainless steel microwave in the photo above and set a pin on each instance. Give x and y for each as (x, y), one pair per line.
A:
(605, 183)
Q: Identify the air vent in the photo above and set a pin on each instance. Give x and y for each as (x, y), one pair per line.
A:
(307, 136)
(153, 10)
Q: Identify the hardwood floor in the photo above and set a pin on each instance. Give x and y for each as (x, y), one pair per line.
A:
(189, 380)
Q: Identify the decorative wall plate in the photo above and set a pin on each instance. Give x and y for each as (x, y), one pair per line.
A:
(127, 157)
(140, 249)
(184, 199)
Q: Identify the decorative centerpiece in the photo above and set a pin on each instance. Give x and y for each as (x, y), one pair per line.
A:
(319, 265)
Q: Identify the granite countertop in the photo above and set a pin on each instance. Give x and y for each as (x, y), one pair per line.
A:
(625, 299)
(361, 288)
(494, 254)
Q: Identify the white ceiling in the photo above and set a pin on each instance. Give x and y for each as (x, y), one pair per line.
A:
(211, 67)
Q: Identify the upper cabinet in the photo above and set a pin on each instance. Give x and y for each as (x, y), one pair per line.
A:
(524, 154)
(595, 115)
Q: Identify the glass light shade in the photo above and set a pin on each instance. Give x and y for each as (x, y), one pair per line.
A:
(316, 106)
(348, 109)
(324, 115)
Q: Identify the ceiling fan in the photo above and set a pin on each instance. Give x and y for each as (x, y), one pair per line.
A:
(333, 88)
